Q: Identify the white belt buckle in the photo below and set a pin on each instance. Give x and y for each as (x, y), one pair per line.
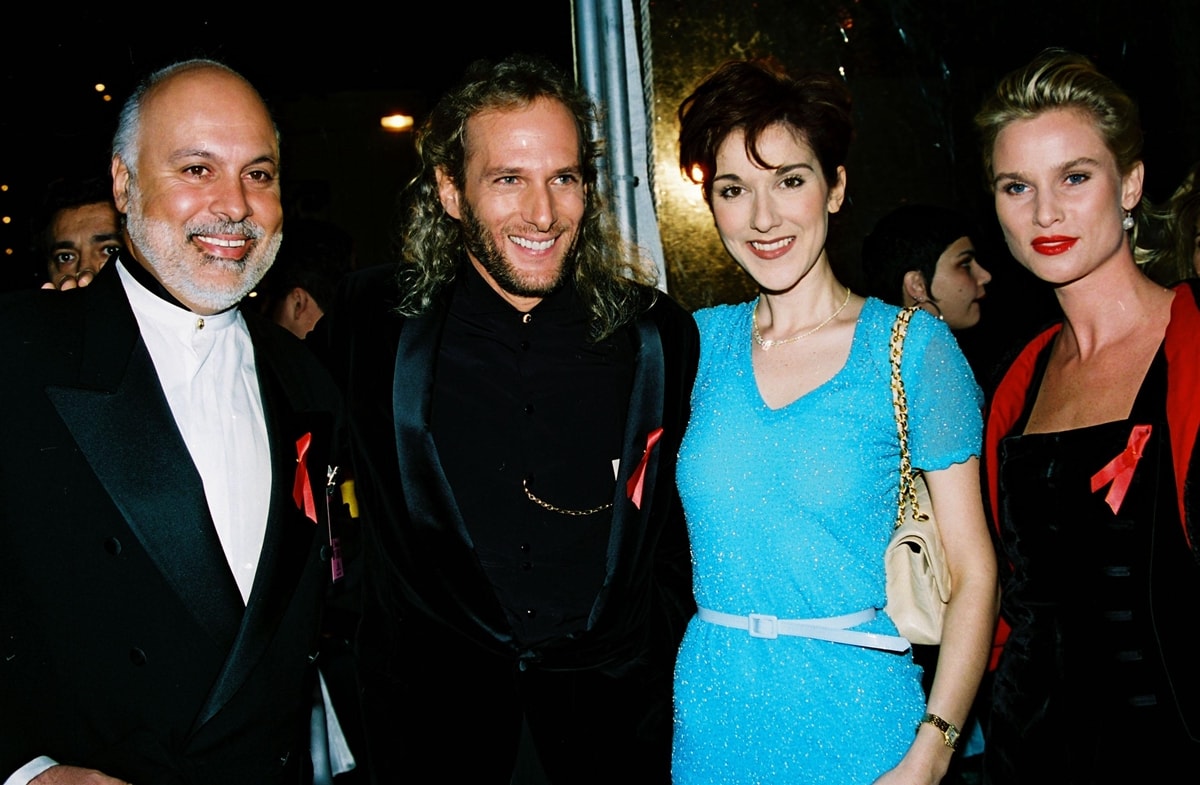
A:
(763, 625)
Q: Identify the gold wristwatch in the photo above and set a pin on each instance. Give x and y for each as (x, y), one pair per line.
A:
(949, 730)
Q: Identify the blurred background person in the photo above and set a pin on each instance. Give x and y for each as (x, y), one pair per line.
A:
(924, 255)
(80, 228)
(927, 255)
(1170, 251)
(298, 289)
(789, 473)
(1088, 445)
(1185, 208)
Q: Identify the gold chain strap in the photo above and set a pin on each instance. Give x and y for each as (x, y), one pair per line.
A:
(908, 487)
(545, 505)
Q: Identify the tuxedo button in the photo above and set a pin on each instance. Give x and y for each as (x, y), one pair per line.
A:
(113, 546)
(529, 408)
(525, 345)
(530, 613)
(527, 566)
(326, 552)
(524, 547)
(137, 656)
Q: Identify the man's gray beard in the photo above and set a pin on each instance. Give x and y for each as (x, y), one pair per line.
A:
(154, 239)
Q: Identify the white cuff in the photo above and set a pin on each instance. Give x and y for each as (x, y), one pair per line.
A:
(23, 775)
(341, 760)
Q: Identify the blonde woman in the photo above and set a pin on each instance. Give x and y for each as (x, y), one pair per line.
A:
(1088, 447)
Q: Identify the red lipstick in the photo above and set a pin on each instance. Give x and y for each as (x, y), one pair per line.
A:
(1053, 245)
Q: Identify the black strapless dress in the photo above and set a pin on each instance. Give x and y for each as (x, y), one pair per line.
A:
(1085, 692)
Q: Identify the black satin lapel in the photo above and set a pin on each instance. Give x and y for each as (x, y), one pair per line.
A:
(130, 439)
(288, 540)
(110, 332)
(447, 557)
(645, 415)
(429, 496)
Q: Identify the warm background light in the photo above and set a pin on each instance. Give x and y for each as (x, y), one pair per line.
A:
(396, 122)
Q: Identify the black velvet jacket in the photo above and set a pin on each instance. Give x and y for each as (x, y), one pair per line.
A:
(1175, 559)
(419, 563)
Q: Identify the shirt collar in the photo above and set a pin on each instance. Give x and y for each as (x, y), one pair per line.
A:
(481, 298)
(157, 304)
(146, 278)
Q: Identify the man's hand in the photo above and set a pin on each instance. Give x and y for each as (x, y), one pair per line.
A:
(71, 280)
(73, 775)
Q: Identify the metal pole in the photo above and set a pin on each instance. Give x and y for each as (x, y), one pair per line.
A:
(600, 40)
(620, 156)
(587, 63)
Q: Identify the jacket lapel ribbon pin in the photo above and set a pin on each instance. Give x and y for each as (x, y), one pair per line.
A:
(302, 491)
(1119, 471)
(637, 480)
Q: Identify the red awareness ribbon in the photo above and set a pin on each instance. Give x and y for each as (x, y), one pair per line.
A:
(302, 490)
(637, 480)
(1119, 471)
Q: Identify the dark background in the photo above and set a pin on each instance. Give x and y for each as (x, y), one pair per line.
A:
(327, 81)
(918, 70)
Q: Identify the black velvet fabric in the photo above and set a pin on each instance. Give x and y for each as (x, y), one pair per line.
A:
(1095, 683)
(445, 682)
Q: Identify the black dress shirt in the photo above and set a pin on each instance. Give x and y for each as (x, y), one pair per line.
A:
(527, 397)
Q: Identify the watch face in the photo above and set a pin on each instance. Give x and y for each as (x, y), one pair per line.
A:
(949, 731)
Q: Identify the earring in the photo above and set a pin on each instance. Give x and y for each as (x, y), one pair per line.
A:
(1127, 221)
(923, 302)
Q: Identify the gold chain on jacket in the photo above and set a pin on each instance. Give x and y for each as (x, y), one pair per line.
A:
(545, 505)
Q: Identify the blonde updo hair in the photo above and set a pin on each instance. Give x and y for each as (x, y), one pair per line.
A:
(1060, 79)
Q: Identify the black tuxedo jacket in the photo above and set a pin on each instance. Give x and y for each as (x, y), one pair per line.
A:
(124, 642)
(430, 612)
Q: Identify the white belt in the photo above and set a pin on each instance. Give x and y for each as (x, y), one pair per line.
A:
(832, 628)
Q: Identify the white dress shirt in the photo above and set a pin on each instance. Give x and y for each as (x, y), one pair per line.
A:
(206, 367)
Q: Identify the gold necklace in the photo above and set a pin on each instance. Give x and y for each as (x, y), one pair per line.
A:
(766, 343)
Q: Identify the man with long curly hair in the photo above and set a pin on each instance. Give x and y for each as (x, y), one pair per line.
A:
(517, 392)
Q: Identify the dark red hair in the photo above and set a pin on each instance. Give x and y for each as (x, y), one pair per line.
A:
(751, 96)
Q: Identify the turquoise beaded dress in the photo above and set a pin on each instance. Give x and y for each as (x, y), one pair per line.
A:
(789, 511)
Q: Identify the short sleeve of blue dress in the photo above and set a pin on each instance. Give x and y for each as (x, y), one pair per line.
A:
(944, 402)
(789, 512)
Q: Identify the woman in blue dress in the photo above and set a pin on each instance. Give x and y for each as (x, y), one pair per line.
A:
(789, 474)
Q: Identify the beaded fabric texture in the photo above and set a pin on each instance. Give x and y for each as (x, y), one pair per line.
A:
(789, 511)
